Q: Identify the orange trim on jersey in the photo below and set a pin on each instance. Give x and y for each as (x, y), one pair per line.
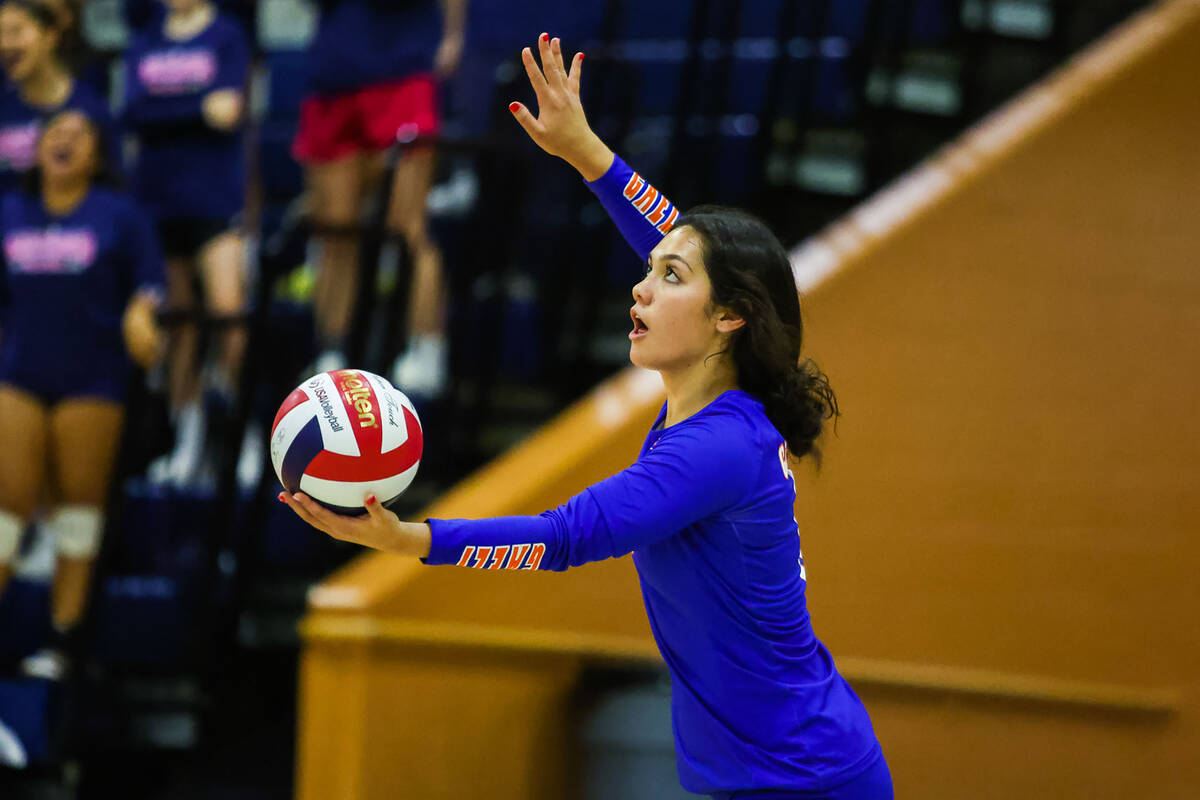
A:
(465, 561)
(518, 555)
(501, 553)
(660, 210)
(647, 200)
(634, 186)
(670, 223)
(535, 557)
(481, 561)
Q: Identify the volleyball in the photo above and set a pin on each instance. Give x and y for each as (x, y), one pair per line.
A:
(343, 434)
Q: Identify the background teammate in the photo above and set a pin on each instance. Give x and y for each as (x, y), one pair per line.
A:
(185, 78)
(80, 284)
(39, 84)
(375, 67)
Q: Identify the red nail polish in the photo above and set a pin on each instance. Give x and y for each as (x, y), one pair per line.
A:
(545, 37)
(282, 499)
(372, 499)
(513, 107)
(581, 56)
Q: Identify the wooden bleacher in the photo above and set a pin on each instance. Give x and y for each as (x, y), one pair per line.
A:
(1001, 545)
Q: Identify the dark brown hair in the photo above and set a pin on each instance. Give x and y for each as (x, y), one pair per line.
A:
(751, 276)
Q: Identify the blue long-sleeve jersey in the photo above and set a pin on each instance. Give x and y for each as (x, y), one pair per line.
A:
(707, 511)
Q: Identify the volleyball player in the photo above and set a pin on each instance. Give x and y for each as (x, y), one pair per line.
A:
(758, 707)
(80, 280)
(185, 78)
(39, 84)
(375, 68)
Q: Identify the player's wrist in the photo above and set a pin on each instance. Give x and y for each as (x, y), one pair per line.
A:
(592, 159)
(413, 539)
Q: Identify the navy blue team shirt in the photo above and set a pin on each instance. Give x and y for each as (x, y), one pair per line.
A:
(65, 282)
(186, 169)
(362, 43)
(21, 125)
(707, 511)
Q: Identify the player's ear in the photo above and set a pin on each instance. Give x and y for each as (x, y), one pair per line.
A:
(728, 320)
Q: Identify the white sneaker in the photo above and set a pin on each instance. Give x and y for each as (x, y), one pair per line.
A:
(49, 664)
(190, 434)
(12, 752)
(421, 370)
(250, 459)
(329, 360)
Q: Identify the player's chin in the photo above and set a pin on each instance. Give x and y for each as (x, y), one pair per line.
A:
(639, 357)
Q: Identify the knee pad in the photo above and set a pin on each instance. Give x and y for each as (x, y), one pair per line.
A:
(77, 530)
(11, 527)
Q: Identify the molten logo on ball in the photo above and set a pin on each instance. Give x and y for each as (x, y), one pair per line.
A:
(343, 434)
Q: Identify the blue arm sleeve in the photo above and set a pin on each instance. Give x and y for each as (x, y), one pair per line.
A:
(691, 473)
(642, 213)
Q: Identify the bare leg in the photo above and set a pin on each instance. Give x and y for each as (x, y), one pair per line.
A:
(23, 429)
(84, 436)
(427, 301)
(182, 350)
(225, 295)
(336, 194)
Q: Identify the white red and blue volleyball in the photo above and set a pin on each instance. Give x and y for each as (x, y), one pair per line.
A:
(343, 434)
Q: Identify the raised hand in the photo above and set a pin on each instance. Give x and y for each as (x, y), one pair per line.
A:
(561, 127)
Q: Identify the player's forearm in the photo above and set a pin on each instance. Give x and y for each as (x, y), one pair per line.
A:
(592, 158)
(642, 213)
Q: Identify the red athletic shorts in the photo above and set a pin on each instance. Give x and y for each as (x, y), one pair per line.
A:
(365, 120)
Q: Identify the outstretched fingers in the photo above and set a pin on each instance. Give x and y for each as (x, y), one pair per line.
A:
(527, 121)
(536, 79)
(550, 65)
(576, 72)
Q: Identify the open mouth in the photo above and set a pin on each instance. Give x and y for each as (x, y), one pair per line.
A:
(639, 327)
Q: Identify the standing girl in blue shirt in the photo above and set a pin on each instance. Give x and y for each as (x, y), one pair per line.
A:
(39, 84)
(80, 281)
(758, 708)
(185, 80)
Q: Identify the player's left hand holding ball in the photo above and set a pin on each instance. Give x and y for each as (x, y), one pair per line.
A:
(378, 528)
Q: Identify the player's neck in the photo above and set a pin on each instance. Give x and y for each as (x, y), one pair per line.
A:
(690, 390)
(191, 22)
(48, 86)
(62, 197)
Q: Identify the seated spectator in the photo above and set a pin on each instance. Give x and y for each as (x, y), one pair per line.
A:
(80, 281)
(185, 80)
